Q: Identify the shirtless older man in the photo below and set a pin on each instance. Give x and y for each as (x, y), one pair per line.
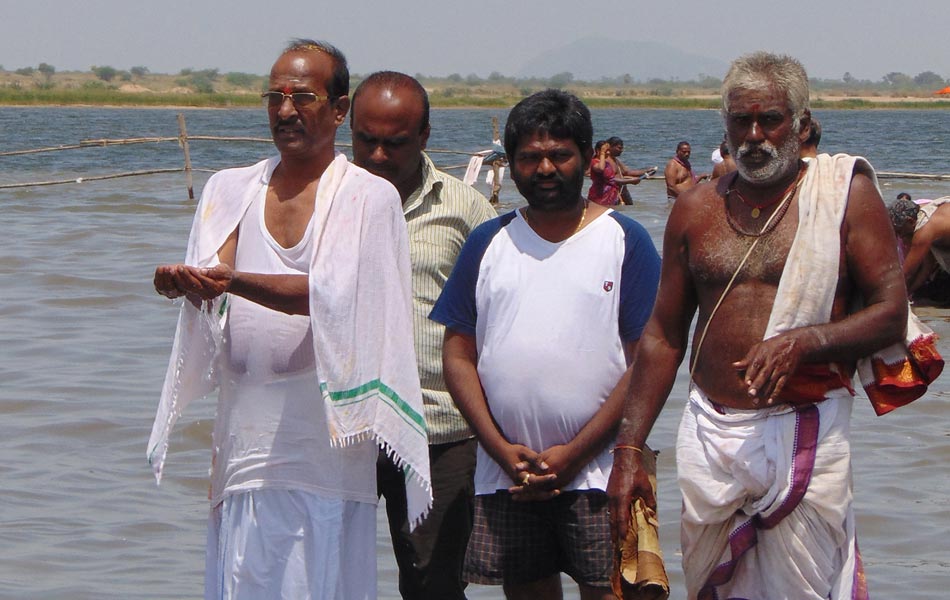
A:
(679, 172)
(763, 456)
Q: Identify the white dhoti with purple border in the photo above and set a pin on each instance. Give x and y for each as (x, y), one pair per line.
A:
(767, 505)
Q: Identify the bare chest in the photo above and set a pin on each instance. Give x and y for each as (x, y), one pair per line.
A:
(287, 215)
(717, 250)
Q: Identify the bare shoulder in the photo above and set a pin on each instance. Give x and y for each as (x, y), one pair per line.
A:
(941, 216)
(696, 206)
(937, 228)
(869, 240)
(863, 189)
(865, 205)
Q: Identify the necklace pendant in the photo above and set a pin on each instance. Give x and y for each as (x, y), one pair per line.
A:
(756, 212)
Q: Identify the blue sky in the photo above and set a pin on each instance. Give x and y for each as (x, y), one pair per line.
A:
(867, 38)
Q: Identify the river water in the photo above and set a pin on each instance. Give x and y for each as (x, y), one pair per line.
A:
(84, 343)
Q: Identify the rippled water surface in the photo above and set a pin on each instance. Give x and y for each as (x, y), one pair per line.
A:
(84, 343)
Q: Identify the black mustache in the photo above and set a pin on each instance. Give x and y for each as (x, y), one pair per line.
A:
(286, 123)
(547, 178)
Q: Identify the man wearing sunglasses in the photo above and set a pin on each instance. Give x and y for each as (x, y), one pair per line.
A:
(311, 350)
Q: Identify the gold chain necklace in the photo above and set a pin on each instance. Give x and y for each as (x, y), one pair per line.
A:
(758, 206)
(774, 219)
(580, 224)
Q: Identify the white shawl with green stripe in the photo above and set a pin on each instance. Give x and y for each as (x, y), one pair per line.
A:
(360, 308)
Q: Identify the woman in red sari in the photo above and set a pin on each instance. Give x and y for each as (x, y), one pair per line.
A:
(605, 182)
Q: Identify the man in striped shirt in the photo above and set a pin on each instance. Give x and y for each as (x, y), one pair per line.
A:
(390, 126)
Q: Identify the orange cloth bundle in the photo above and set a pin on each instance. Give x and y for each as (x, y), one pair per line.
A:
(900, 374)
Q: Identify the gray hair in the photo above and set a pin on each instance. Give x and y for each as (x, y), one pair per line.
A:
(903, 212)
(759, 70)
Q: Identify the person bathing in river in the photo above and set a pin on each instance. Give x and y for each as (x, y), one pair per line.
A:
(605, 177)
(616, 149)
(726, 165)
(679, 172)
(810, 145)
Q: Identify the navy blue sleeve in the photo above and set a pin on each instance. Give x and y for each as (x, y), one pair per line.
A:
(456, 308)
(639, 278)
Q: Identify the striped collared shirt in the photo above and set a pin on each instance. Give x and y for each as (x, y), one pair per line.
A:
(439, 214)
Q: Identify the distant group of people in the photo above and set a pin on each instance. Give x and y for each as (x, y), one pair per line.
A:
(374, 328)
(609, 175)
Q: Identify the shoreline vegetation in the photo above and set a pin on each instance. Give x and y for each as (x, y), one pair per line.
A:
(106, 86)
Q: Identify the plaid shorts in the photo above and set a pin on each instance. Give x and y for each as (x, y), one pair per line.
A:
(520, 542)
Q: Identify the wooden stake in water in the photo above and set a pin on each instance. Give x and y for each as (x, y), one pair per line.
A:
(183, 142)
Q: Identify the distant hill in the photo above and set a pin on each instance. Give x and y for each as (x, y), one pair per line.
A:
(641, 60)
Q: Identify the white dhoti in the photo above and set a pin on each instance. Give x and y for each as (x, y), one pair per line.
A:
(267, 543)
(767, 506)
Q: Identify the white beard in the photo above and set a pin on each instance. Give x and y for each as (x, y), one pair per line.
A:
(781, 162)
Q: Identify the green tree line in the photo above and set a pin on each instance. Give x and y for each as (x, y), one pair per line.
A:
(103, 84)
(206, 80)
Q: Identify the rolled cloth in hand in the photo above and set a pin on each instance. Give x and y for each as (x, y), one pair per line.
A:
(639, 573)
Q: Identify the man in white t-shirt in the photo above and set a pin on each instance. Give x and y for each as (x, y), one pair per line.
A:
(543, 308)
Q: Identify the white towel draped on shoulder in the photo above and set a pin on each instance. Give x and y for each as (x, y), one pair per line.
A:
(360, 309)
(892, 376)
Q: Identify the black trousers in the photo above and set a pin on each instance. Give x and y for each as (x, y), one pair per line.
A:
(430, 558)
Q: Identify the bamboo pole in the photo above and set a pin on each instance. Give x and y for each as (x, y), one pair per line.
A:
(183, 142)
(230, 139)
(896, 175)
(90, 178)
(121, 142)
(95, 143)
(38, 150)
